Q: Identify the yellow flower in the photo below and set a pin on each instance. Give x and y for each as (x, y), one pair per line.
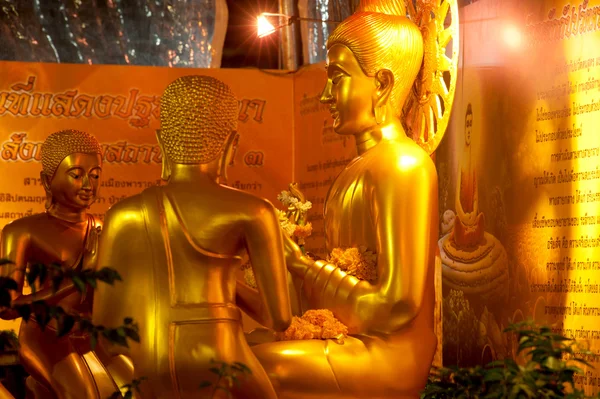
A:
(303, 231)
(314, 324)
(249, 278)
(358, 262)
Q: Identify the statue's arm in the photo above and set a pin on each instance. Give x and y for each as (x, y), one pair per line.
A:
(123, 247)
(14, 244)
(404, 212)
(264, 244)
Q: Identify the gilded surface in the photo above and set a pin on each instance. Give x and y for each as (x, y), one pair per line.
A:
(65, 234)
(179, 247)
(385, 200)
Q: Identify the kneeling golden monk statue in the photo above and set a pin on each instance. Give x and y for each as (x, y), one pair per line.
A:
(385, 82)
(65, 234)
(179, 247)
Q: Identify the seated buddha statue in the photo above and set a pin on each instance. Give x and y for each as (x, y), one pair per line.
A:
(469, 226)
(64, 234)
(179, 246)
(385, 200)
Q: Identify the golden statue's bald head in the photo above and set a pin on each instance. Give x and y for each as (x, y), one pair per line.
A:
(197, 114)
(61, 144)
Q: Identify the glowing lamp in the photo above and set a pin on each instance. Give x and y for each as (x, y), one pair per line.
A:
(268, 23)
(264, 27)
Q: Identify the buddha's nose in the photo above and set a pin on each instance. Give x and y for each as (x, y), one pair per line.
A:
(326, 97)
(86, 183)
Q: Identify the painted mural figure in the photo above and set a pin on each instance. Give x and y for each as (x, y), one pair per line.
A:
(469, 225)
(474, 262)
(178, 248)
(65, 234)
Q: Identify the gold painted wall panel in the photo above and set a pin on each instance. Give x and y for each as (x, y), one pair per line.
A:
(520, 187)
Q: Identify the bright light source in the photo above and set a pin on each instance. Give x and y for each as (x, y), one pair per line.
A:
(513, 36)
(264, 27)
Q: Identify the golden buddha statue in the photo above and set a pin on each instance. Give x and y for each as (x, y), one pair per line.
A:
(67, 235)
(380, 88)
(469, 225)
(178, 248)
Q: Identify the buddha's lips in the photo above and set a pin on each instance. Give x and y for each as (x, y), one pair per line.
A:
(85, 197)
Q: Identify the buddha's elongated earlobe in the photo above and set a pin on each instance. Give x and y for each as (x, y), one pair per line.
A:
(384, 79)
(166, 164)
(226, 160)
(46, 184)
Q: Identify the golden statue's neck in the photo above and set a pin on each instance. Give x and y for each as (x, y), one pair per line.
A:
(67, 214)
(368, 139)
(194, 173)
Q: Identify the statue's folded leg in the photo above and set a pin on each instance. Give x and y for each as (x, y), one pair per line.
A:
(298, 369)
(361, 367)
(62, 371)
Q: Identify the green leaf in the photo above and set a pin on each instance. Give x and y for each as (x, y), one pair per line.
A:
(79, 284)
(205, 384)
(32, 275)
(92, 282)
(65, 325)
(128, 320)
(24, 311)
(43, 275)
(132, 334)
(215, 370)
(94, 340)
(6, 262)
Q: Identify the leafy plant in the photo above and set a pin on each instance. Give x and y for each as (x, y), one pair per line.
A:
(43, 313)
(228, 377)
(134, 386)
(551, 362)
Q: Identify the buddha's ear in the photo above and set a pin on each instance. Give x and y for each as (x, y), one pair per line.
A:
(384, 80)
(228, 154)
(166, 164)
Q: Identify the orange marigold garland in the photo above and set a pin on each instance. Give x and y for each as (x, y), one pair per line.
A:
(357, 262)
(314, 324)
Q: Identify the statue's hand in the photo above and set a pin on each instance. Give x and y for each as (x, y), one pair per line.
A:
(90, 252)
(294, 258)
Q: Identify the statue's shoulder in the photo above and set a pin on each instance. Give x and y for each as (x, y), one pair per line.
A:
(245, 199)
(132, 207)
(402, 159)
(25, 225)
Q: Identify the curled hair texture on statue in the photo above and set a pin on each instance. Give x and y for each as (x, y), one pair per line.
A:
(381, 37)
(61, 144)
(197, 114)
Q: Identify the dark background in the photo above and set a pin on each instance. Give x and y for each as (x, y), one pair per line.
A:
(243, 49)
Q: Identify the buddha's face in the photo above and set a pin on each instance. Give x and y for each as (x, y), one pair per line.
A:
(349, 92)
(468, 128)
(76, 181)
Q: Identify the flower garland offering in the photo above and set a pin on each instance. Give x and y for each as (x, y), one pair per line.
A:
(356, 262)
(292, 221)
(314, 324)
